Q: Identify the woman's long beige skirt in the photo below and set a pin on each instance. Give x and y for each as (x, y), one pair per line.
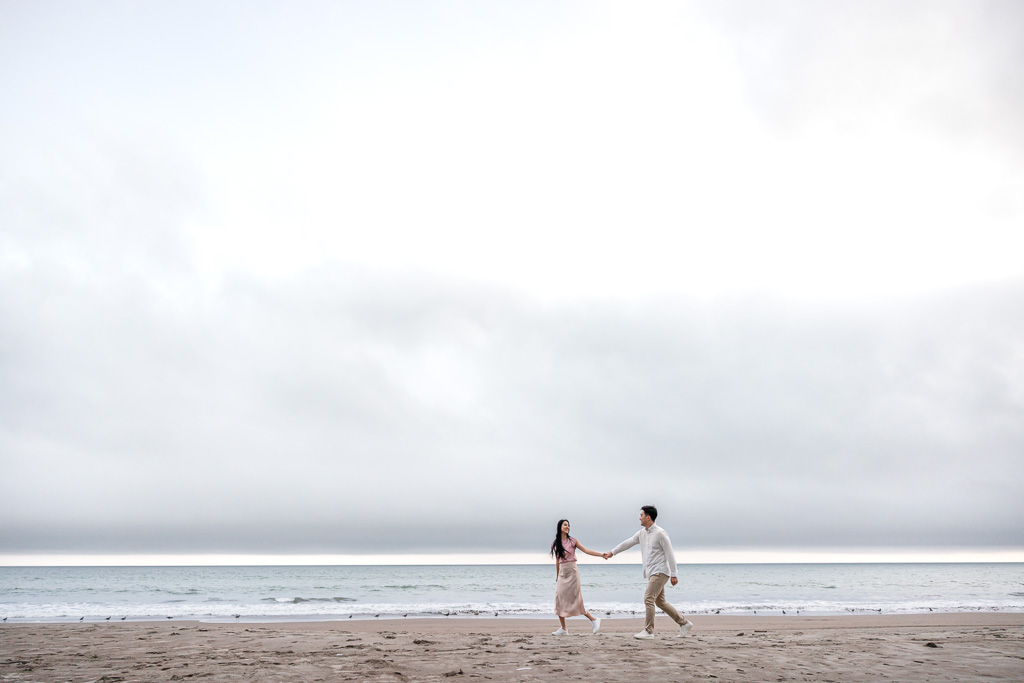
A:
(568, 594)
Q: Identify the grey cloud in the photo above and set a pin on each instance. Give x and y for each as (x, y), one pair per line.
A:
(345, 409)
(283, 416)
(945, 67)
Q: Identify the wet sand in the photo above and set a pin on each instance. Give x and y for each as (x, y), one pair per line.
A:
(932, 647)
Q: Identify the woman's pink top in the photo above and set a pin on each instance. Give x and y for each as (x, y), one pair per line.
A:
(569, 544)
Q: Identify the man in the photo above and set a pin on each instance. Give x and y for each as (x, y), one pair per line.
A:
(659, 568)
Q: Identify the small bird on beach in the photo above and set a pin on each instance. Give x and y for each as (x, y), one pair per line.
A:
(783, 611)
(5, 618)
(81, 618)
(123, 618)
(170, 617)
(718, 611)
(376, 616)
(350, 616)
(107, 619)
(237, 616)
(495, 614)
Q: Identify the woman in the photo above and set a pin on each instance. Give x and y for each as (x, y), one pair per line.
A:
(568, 595)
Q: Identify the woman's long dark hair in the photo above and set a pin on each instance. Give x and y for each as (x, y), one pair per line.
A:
(556, 548)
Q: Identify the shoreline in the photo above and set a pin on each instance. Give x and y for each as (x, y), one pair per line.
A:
(935, 646)
(513, 618)
(531, 623)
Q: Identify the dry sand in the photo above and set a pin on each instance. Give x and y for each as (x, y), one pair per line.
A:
(932, 647)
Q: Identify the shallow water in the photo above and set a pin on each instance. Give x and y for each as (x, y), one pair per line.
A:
(341, 592)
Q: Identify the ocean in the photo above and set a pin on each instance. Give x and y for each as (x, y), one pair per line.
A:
(301, 593)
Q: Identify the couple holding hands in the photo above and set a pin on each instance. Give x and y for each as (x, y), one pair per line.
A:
(659, 568)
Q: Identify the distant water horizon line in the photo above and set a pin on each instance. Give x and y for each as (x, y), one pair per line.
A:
(684, 556)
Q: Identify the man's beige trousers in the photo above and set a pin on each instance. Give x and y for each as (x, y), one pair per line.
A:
(655, 596)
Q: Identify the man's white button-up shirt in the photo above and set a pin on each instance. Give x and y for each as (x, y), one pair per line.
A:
(655, 550)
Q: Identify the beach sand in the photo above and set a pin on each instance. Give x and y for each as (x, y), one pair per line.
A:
(932, 647)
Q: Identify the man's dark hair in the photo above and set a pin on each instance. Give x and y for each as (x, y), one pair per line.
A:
(650, 511)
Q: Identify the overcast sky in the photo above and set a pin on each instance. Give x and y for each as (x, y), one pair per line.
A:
(425, 277)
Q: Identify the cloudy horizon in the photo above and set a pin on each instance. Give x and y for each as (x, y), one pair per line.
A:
(423, 279)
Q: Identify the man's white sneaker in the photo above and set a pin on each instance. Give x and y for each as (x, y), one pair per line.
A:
(684, 629)
(560, 632)
(597, 625)
(644, 634)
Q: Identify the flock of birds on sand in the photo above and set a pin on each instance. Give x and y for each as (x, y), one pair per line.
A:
(450, 612)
